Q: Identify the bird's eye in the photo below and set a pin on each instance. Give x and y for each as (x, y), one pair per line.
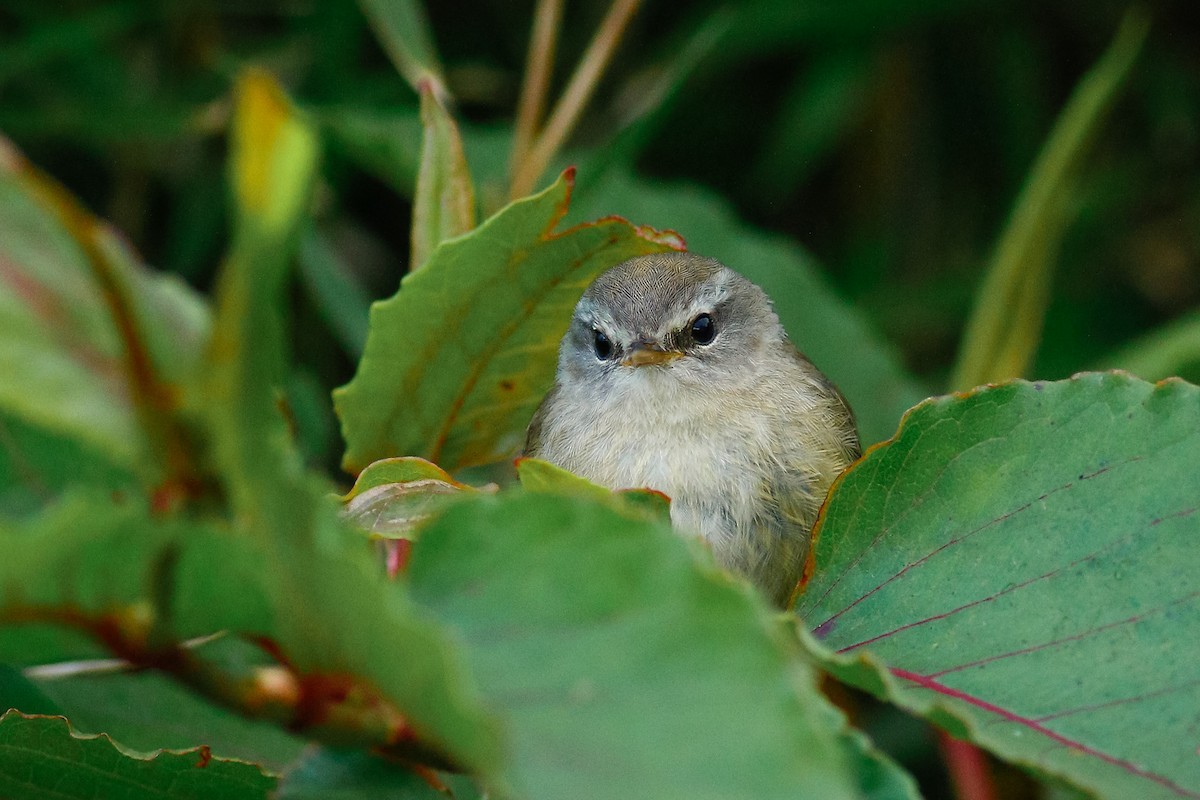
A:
(703, 329)
(603, 346)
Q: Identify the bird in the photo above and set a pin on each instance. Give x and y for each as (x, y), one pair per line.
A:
(675, 374)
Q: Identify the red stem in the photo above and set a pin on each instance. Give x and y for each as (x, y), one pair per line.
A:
(968, 768)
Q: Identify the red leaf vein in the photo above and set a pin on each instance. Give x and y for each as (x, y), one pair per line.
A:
(927, 682)
(1067, 639)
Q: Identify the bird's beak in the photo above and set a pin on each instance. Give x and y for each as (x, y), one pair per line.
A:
(645, 354)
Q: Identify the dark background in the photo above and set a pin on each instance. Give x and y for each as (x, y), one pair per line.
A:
(889, 137)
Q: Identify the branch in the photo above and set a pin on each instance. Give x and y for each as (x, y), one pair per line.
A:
(538, 65)
(337, 708)
(575, 97)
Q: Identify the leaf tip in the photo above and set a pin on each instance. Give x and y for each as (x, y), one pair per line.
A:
(274, 151)
(665, 237)
(10, 158)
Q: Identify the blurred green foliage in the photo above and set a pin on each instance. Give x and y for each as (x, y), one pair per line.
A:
(891, 138)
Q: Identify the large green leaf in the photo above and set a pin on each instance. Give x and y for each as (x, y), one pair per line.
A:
(356, 645)
(41, 757)
(391, 675)
(147, 710)
(621, 666)
(96, 351)
(1020, 565)
(36, 465)
(274, 156)
(835, 336)
(457, 361)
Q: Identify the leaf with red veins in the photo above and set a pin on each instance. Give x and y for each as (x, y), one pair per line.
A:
(1018, 564)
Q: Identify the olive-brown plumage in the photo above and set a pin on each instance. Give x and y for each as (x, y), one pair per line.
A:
(676, 375)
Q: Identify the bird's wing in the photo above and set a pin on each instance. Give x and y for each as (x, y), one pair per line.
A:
(533, 434)
(841, 412)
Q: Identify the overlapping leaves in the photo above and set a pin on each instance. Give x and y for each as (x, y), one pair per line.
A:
(99, 355)
(621, 667)
(33, 750)
(457, 361)
(345, 655)
(1018, 565)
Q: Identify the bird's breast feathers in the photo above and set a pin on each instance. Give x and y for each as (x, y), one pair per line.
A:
(710, 453)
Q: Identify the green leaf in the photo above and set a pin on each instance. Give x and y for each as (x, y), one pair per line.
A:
(325, 774)
(17, 691)
(541, 476)
(1003, 331)
(457, 361)
(324, 601)
(41, 757)
(403, 29)
(623, 667)
(37, 465)
(400, 470)
(99, 354)
(393, 497)
(148, 710)
(144, 585)
(444, 202)
(1018, 565)
(1172, 350)
(824, 326)
(274, 156)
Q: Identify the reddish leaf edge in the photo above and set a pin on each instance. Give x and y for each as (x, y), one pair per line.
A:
(865, 671)
(421, 470)
(860, 668)
(561, 208)
(951, 397)
(203, 752)
(155, 401)
(664, 238)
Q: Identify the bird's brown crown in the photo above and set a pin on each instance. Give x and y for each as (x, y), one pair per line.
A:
(648, 283)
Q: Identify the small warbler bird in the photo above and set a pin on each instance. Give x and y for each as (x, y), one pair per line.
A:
(676, 375)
